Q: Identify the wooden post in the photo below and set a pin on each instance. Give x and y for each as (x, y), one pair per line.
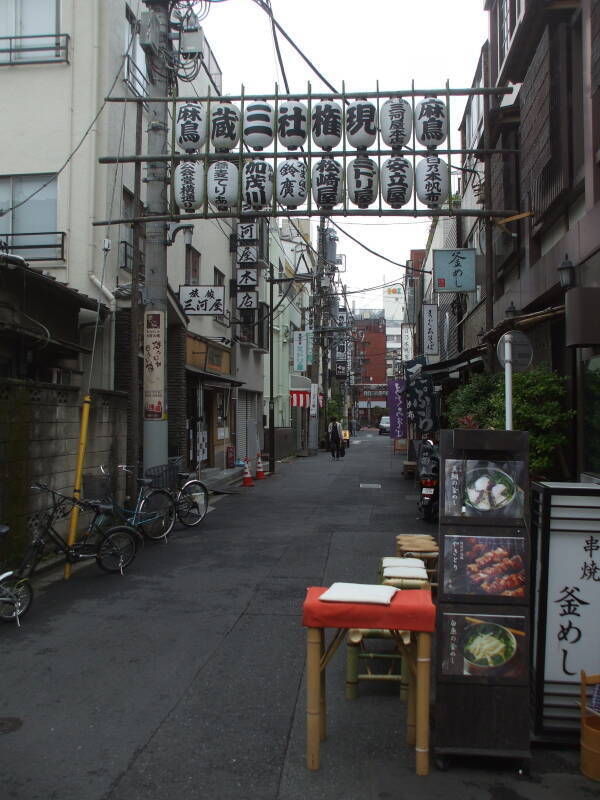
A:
(352, 661)
(83, 437)
(411, 711)
(314, 647)
(322, 691)
(423, 678)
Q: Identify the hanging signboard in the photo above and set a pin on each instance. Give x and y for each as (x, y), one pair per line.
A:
(430, 329)
(202, 300)
(420, 403)
(247, 232)
(300, 343)
(314, 399)
(454, 270)
(247, 300)
(397, 408)
(154, 365)
(309, 346)
(341, 369)
(247, 255)
(247, 277)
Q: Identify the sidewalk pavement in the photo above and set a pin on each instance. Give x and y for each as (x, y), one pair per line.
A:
(184, 678)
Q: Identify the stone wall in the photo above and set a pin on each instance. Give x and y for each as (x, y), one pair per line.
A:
(39, 435)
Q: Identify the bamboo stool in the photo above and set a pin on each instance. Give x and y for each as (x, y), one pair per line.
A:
(409, 611)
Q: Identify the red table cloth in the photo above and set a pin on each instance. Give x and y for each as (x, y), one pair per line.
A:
(410, 610)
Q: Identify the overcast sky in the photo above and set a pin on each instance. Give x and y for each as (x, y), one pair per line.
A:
(390, 41)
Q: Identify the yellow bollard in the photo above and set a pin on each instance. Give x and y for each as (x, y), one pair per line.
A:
(83, 433)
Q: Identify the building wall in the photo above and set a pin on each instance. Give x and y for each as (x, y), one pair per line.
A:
(39, 435)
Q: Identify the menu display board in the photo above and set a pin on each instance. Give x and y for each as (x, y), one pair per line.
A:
(483, 609)
(488, 567)
(485, 646)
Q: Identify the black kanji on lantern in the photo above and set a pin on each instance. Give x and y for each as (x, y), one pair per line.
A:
(327, 120)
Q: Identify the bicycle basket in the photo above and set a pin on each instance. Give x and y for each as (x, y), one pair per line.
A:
(96, 487)
(164, 476)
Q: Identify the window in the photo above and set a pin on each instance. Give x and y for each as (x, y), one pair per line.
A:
(136, 70)
(29, 31)
(219, 277)
(30, 229)
(126, 236)
(192, 266)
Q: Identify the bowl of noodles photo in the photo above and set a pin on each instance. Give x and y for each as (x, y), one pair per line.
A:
(487, 647)
(489, 489)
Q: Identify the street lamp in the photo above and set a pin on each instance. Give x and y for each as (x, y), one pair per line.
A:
(566, 273)
(512, 311)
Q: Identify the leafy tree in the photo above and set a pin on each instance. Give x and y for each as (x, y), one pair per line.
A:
(474, 400)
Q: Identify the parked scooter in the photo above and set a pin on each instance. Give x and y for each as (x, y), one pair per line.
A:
(429, 481)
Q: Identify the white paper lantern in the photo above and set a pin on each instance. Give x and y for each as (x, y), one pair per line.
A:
(327, 183)
(189, 185)
(225, 123)
(431, 121)
(258, 124)
(396, 181)
(432, 181)
(291, 182)
(222, 185)
(363, 181)
(257, 183)
(395, 121)
(326, 124)
(292, 124)
(361, 124)
(191, 126)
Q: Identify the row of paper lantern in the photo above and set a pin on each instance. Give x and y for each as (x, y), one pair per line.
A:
(259, 125)
(291, 187)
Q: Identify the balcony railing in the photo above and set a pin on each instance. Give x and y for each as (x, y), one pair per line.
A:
(39, 49)
(135, 78)
(38, 246)
(547, 188)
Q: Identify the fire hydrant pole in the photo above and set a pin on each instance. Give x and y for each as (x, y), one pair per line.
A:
(83, 436)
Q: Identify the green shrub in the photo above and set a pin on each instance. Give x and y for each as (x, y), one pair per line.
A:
(538, 407)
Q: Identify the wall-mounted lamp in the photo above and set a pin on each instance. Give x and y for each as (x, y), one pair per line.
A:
(566, 273)
(173, 230)
(512, 311)
(481, 334)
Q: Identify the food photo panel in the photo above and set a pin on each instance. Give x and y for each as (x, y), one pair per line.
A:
(484, 646)
(484, 491)
(486, 567)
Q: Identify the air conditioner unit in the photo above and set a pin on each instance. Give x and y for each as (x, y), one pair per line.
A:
(149, 33)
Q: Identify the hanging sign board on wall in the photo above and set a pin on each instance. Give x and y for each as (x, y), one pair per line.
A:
(300, 346)
(454, 270)
(154, 365)
(430, 329)
(202, 300)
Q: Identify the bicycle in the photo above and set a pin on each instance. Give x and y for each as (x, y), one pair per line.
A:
(154, 511)
(16, 594)
(190, 495)
(114, 548)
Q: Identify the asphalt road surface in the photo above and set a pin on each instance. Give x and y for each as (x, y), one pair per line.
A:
(184, 678)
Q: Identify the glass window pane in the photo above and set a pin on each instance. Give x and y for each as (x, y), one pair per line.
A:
(591, 414)
(36, 18)
(5, 202)
(7, 28)
(36, 216)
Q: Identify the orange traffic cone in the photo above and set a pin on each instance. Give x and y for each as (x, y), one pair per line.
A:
(260, 473)
(247, 481)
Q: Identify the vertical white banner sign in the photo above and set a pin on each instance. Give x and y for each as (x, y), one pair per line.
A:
(430, 329)
(154, 365)
(300, 341)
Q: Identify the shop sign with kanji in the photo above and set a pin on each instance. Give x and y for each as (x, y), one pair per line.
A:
(430, 329)
(247, 254)
(247, 300)
(247, 231)
(454, 270)
(202, 300)
(573, 605)
(247, 277)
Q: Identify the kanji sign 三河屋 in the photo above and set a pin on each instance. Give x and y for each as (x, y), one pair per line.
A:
(247, 231)
(430, 329)
(247, 300)
(247, 277)
(454, 270)
(202, 300)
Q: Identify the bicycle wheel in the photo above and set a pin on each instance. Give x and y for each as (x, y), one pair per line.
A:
(16, 597)
(116, 549)
(192, 503)
(156, 516)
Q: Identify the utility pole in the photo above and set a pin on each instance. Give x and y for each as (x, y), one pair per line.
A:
(134, 398)
(271, 376)
(313, 424)
(155, 313)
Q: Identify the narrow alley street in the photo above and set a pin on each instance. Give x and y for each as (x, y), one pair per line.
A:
(184, 678)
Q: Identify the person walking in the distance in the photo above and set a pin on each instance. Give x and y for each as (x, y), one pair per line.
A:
(335, 438)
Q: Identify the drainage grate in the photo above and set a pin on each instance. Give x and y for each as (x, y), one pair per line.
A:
(370, 486)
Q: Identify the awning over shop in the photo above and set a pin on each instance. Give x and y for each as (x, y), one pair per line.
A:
(467, 358)
(299, 398)
(213, 380)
